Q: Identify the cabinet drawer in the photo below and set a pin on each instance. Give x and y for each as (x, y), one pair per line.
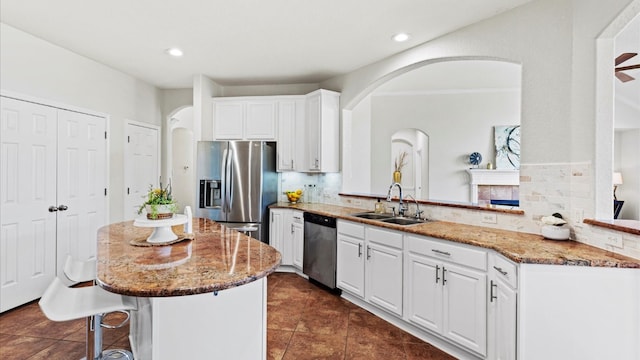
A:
(349, 228)
(444, 250)
(505, 269)
(384, 237)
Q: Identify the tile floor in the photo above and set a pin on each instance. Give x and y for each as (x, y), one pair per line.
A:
(304, 322)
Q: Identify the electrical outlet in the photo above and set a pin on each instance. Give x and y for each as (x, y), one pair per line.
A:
(489, 218)
(614, 240)
(578, 216)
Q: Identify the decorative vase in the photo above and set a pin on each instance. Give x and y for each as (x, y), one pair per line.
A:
(397, 176)
(160, 211)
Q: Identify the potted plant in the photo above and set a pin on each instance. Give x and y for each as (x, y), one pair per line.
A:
(159, 204)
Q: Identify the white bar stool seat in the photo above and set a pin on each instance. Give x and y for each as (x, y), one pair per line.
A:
(62, 303)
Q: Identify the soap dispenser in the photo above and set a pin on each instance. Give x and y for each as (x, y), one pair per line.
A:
(379, 209)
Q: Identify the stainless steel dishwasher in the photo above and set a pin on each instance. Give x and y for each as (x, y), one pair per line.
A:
(320, 244)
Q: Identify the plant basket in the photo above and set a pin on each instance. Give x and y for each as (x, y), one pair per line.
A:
(160, 211)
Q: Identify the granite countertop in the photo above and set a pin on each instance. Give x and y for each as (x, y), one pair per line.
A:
(520, 247)
(217, 258)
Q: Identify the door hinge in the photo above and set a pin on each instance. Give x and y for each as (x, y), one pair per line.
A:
(105, 191)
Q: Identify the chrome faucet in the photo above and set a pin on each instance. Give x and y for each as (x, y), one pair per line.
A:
(402, 207)
(418, 211)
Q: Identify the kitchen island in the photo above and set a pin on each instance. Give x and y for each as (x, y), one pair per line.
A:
(198, 298)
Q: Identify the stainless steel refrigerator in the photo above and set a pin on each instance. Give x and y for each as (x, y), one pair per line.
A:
(237, 181)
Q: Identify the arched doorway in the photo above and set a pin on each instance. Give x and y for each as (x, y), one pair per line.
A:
(180, 149)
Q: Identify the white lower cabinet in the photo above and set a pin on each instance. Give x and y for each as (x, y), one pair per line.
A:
(369, 264)
(502, 308)
(350, 258)
(443, 295)
(383, 269)
(297, 238)
(286, 234)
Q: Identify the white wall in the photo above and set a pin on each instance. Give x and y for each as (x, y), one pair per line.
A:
(555, 41)
(457, 125)
(31, 66)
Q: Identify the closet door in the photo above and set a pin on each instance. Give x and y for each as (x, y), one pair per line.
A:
(27, 191)
(81, 184)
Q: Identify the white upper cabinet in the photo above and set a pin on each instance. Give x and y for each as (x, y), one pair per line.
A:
(306, 127)
(291, 134)
(244, 119)
(323, 131)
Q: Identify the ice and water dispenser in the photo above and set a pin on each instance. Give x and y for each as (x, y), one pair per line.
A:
(210, 194)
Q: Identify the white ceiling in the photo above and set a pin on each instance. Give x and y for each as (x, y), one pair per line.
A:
(242, 42)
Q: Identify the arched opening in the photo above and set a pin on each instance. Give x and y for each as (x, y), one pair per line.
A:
(180, 154)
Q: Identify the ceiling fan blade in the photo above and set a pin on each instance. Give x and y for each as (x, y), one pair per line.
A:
(624, 57)
(624, 77)
(630, 67)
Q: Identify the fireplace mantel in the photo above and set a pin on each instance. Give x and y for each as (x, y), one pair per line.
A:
(490, 177)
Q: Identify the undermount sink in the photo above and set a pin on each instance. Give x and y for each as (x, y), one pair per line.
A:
(372, 216)
(403, 221)
(389, 218)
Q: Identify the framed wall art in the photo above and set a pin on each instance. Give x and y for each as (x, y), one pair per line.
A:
(507, 140)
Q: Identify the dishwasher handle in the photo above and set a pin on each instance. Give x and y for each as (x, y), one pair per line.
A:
(320, 220)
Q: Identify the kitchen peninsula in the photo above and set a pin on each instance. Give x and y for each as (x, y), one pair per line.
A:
(200, 298)
(483, 293)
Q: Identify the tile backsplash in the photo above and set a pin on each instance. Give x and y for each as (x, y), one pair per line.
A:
(565, 188)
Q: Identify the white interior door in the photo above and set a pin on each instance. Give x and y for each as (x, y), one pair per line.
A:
(27, 190)
(142, 165)
(81, 184)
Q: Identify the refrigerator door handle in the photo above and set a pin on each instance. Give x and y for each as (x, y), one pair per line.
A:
(228, 181)
(223, 170)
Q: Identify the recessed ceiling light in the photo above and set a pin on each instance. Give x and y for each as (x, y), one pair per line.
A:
(400, 37)
(174, 52)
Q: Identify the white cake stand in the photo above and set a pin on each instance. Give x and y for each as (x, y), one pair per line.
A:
(162, 232)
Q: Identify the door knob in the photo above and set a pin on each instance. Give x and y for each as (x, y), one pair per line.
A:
(53, 209)
(62, 207)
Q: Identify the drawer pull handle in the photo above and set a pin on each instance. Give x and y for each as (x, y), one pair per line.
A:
(441, 252)
(491, 295)
(500, 271)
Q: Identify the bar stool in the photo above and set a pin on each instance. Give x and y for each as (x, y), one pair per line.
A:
(62, 303)
(80, 271)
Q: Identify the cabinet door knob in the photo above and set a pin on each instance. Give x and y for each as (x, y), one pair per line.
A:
(63, 208)
(368, 252)
(437, 271)
(359, 250)
(53, 209)
(444, 280)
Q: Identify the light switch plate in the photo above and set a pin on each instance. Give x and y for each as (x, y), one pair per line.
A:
(614, 240)
(489, 218)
